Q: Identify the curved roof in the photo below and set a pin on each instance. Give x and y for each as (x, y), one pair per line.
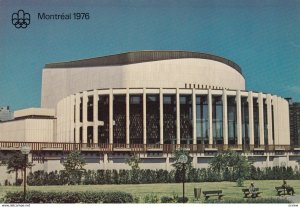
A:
(139, 57)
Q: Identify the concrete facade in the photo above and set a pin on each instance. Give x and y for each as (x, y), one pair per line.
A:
(275, 113)
(61, 82)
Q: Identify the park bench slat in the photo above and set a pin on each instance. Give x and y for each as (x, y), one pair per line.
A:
(247, 192)
(281, 190)
(210, 193)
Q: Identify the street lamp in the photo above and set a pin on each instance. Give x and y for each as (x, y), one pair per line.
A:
(25, 151)
(183, 159)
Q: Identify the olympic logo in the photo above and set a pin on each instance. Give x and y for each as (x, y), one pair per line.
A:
(20, 19)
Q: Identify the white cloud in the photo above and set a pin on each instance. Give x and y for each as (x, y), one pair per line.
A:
(295, 45)
(294, 89)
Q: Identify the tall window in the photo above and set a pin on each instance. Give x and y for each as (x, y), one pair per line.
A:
(169, 119)
(80, 135)
(103, 116)
(119, 116)
(90, 135)
(231, 119)
(153, 119)
(186, 119)
(273, 130)
(217, 119)
(245, 120)
(202, 119)
(136, 119)
(80, 109)
(90, 108)
(256, 120)
(265, 108)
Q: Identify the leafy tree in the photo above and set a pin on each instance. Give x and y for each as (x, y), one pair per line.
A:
(74, 166)
(17, 162)
(234, 162)
(134, 162)
(74, 161)
(179, 167)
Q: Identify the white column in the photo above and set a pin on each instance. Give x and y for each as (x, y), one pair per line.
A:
(62, 121)
(167, 162)
(127, 117)
(261, 119)
(144, 117)
(72, 109)
(251, 124)
(105, 160)
(111, 121)
(270, 125)
(161, 116)
(67, 119)
(95, 115)
(77, 117)
(84, 117)
(177, 116)
(225, 120)
(239, 118)
(210, 135)
(194, 117)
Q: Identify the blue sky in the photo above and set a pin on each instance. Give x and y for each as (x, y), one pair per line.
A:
(263, 37)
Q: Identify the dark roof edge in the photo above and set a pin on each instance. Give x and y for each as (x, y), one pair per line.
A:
(140, 57)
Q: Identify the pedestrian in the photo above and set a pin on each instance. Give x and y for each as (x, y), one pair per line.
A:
(289, 189)
(252, 190)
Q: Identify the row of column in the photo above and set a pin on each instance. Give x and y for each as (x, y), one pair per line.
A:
(84, 124)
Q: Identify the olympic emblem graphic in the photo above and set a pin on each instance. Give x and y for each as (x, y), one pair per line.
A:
(20, 19)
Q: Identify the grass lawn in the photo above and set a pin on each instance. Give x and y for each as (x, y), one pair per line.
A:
(230, 190)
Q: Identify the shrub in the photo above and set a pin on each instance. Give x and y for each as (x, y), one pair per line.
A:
(19, 182)
(68, 197)
(173, 199)
(240, 182)
(115, 177)
(7, 183)
(151, 198)
(182, 200)
(251, 200)
(166, 199)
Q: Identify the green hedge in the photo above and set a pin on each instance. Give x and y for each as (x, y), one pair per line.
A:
(91, 177)
(174, 199)
(68, 197)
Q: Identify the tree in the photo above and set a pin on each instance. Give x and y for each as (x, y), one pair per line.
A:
(179, 167)
(233, 162)
(134, 162)
(74, 166)
(17, 162)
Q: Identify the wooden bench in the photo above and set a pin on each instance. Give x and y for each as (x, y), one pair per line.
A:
(247, 193)
(210, 193)
(281, 190)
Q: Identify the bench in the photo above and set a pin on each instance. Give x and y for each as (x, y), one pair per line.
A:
(210, 193)
(247, 193)
(281, 190)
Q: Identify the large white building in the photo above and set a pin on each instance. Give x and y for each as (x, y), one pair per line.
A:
(151, 102)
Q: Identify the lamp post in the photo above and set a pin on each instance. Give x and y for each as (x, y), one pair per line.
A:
(25, 151)
(183, 159)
